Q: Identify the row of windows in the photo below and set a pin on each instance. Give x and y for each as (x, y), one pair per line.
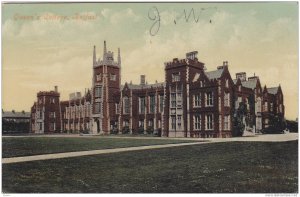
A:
(112, 77)
(175, 77)
(208, 99)
(177, 88)
(76, 126)
(176, 122)
(77, 111)
(142, 104)
(150, 123)
(265, 107)
(176, 99)
(142, 123)
(52, 100)
(209, 122)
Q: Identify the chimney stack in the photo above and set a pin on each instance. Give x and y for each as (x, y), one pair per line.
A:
(225, 63)
(191, 55)
(143, 79)
(241, 76)
(55, 89)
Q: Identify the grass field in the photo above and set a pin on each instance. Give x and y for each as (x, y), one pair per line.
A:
(12, 147)
(219, 167)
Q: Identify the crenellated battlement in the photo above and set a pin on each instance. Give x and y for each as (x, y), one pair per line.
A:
(191, 59)
(108, 58)
(49, 93)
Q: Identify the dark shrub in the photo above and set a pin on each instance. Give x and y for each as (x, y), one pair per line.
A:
(125, 130)
(149, 130)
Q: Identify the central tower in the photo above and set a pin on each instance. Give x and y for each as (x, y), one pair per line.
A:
(105, 91)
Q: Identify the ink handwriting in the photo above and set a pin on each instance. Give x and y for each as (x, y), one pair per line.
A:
(153, 14)
(186, 15)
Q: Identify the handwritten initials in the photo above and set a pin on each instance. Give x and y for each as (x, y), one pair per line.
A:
(153, 14)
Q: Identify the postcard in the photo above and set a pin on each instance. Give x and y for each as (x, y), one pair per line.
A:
(150, 97)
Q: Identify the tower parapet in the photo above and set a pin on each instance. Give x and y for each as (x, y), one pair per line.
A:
(191, 60)
(108, 58)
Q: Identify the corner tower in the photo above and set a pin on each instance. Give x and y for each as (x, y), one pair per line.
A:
(105, 91)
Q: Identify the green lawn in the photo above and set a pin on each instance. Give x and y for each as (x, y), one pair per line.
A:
(12, 147)
(220, 168)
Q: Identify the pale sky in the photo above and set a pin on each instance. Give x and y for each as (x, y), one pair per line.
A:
(44, 45)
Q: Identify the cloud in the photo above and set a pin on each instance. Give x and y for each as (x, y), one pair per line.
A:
(239, 39)
(105, 12)
(126, 14)
(60, 52)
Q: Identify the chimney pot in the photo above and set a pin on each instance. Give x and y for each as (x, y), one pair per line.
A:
(143, 79)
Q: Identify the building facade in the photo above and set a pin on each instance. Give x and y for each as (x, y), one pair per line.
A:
(15, 122)
(191, 102)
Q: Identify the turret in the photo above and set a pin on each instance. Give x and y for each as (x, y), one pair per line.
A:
(119, 57)
(94, 56)
(104, 51)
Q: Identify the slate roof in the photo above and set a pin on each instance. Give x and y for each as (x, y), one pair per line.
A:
(273, 90)
(9, 114)
(250, 83)
(136, 86)
(214, 74)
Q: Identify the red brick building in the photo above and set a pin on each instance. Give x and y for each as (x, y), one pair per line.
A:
(200, 102)
(45, 113)
(141, 107)
(192, 102)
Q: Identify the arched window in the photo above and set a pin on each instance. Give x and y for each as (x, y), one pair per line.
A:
(126, 105)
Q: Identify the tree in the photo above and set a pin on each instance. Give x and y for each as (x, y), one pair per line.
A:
(276, 124)
(292, 125)
(238, 120)
(250, 118)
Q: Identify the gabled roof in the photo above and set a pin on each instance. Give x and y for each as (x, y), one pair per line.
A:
(273, 90)
(216, 74)
(250, 83)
